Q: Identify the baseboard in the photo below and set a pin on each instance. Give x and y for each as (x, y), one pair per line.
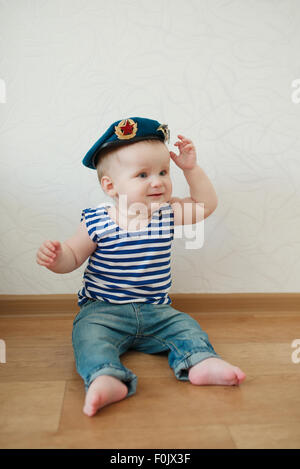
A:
(188, 302)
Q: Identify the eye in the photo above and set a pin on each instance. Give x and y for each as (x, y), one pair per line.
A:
(142, 175)
(163, 171)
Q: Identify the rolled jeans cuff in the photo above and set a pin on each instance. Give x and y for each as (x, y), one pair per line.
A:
(126, 377)
(181, 370)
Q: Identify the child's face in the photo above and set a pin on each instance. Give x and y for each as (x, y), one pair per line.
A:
(141, 170)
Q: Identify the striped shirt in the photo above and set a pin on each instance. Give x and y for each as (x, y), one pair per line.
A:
(128, 266)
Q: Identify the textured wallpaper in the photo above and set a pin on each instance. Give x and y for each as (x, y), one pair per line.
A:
(224, 73)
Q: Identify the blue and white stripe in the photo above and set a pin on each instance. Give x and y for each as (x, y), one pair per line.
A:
(128, 266)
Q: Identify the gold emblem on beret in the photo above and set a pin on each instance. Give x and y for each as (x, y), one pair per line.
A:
(126, 129)
(165, 130)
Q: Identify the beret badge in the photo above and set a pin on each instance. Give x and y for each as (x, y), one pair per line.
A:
(126, 129)
(165, 130)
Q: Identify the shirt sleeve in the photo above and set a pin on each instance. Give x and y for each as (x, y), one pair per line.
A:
(91, 220)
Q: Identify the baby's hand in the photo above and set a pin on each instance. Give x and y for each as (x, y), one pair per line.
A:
(48, 253)
(187, 158)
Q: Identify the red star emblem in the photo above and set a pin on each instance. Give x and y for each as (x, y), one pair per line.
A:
(127, 129)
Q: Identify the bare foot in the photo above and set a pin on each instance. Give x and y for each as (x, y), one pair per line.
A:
(104, 390)
(215, 371)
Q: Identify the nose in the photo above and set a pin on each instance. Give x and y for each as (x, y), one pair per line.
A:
(156, 181)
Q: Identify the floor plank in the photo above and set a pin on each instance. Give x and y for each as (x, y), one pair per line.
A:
(272, 436)
(30, 406)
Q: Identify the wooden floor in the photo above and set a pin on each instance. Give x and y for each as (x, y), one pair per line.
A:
(41, 394)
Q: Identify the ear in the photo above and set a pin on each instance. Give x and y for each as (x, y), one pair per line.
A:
(108, 186)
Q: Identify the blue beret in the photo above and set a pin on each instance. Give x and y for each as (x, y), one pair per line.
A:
(123, 132)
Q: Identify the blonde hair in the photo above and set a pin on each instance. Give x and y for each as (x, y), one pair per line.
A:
(104, 163)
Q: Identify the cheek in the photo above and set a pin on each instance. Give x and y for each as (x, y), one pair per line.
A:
(169, 185)
(136, 187)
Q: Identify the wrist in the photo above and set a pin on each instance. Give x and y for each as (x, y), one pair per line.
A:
(191, 170)
(65, 261)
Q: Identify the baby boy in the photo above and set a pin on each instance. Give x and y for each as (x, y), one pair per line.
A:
(124, 301)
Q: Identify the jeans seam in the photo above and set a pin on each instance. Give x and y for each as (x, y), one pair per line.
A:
(118, 345)
(138, 318)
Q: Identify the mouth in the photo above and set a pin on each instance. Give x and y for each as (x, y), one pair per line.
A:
(155, 195)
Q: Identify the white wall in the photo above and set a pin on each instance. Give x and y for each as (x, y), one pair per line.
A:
(220, 72)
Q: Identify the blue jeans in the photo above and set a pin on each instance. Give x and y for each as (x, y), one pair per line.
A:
(103, 331)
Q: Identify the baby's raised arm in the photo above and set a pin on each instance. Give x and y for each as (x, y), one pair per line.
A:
(65, 257)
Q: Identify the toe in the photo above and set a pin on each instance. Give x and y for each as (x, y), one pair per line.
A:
(230, 377)
(240, 375)
(88, 410)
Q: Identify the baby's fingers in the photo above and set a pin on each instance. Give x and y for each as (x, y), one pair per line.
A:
(46, 254)
(184, 139)
(44, 260)
(52, 245)
(173, 155)
(48, 249)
